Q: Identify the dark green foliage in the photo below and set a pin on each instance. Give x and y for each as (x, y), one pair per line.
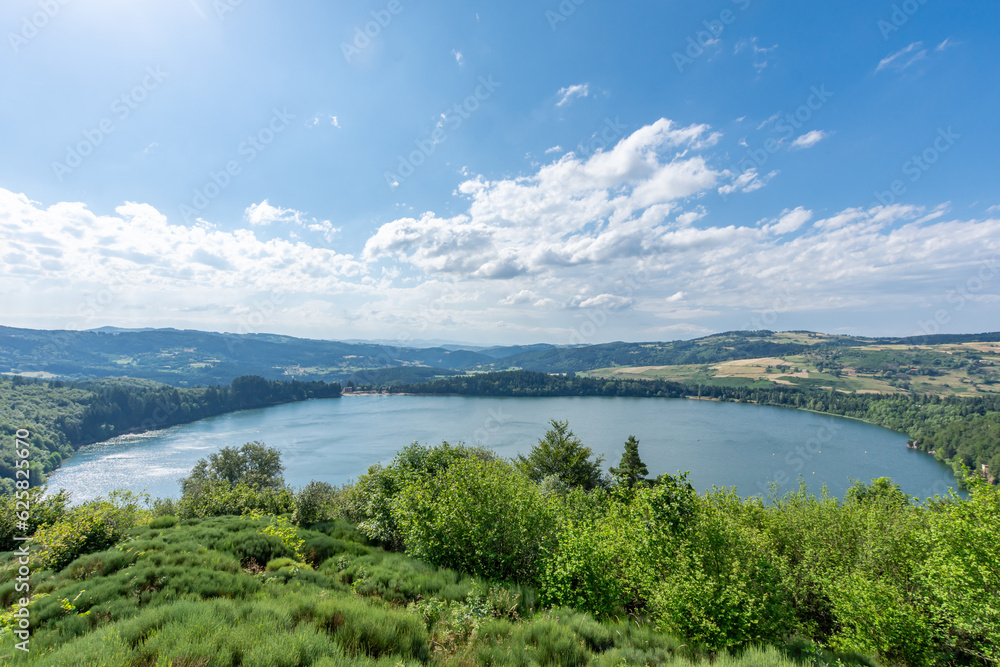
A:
(253, 464)
(564, 455)
(528, 383)
(631, 471)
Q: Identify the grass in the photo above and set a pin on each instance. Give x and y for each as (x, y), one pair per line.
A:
(217, 592)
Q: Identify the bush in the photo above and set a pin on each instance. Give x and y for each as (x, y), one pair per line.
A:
(314, 503)
(93, 526)
(220, 499)
(482, 517)
(42, 510)
(370, 502)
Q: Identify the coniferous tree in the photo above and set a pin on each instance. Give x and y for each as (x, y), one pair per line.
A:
(563, 454)
(631, 471)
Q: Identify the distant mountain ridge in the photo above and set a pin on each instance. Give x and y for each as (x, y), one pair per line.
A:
(190, 358)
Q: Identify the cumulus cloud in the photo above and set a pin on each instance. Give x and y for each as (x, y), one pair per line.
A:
(567, 94)
(630, 230)
(68, 244)
(790, 221)
(809, 139)
(572, 212)
(264, 214)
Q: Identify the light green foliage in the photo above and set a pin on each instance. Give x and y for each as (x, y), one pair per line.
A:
(284, 530)
(90, 527)
(218, 498)
(961, 570)
(479, 516)
(42, 509)
(375, 494)
(563, 454)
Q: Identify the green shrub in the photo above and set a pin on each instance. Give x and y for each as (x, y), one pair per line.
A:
(93, 526)
(482, 517)
(370, 502)
(315, 503)
(961, 571)
(219, 498)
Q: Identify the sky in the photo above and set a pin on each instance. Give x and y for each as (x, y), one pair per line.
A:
(561, 171)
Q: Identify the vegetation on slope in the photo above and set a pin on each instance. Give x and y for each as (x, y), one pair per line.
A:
(119, 585)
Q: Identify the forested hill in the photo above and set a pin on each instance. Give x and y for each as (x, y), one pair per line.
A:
(712, 349)
(529, 383)
(62, 417)
(195, 358)
(192, 358)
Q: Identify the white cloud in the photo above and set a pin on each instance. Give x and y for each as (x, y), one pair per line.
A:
(459, 58)
(904, 58)
(265, 214)
(554, 149)
(323, 118)
(760, 53)
(68, 245)
(748, 181)
(809, 139)
(572, 212)
(568, 93)
(790, 221)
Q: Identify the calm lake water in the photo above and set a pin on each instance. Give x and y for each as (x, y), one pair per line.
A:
(335, 440)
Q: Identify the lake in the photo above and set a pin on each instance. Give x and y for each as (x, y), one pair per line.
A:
(335, 440)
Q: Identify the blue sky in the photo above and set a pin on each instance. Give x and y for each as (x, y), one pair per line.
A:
(500, 172)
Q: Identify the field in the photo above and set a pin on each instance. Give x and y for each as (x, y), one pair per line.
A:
(962, 369)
